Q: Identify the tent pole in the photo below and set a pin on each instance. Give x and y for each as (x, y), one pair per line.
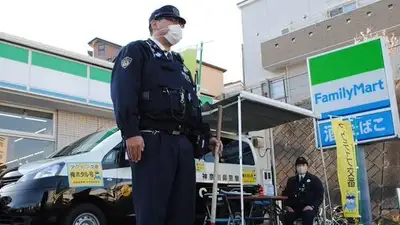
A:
(273, 162)
(216, 171)
(324, 166)
(240, 157)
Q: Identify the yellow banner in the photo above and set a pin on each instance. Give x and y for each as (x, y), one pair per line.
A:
(190, 60)
(346, 167)
(85, 175)
(249, 176)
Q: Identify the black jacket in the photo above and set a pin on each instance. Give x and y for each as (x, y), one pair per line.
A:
(309, 192)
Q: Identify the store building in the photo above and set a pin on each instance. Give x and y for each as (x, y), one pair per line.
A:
(50, 97)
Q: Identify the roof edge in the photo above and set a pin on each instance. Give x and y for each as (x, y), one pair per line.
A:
(54, 50)
(90, 43)
(212, 66)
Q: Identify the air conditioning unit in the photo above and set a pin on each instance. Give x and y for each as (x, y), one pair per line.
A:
(345, 8)
(285, 30)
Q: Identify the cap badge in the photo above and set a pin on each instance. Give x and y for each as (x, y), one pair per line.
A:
(175, 11)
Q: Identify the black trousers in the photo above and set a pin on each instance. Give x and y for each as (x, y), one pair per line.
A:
(307, 217)
(164, 181)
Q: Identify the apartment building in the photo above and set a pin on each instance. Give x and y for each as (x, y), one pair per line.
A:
(279, 35)
(212, 78)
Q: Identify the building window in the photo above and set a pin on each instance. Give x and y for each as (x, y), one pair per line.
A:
(101, 50)
(26, 135)
(15, 151)
(26, 121)
(277, 89)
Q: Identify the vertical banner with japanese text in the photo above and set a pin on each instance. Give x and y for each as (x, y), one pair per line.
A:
(347, 167)
(190, 60)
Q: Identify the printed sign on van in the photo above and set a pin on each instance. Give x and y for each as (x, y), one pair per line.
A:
(249, 176)
(85, 175)
(354, 83)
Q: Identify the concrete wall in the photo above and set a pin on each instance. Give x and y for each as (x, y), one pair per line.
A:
(212, 81)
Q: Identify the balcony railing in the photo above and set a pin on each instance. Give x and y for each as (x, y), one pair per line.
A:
(296, 89)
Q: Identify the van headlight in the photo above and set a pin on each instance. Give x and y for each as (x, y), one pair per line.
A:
(49, 171)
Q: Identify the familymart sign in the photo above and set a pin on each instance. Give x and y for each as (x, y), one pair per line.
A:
(355, 83)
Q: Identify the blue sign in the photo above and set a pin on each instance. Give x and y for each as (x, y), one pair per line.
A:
(366, 128)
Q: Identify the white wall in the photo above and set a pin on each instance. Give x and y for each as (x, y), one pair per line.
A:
(233, 88)
(253, 30)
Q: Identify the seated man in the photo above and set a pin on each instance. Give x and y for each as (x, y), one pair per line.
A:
(305, 194)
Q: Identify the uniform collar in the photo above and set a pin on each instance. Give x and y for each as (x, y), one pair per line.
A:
(158, 44)
(302, 176)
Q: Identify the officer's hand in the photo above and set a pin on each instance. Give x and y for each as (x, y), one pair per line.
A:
(308, 208)
(214, 144)
(134, 147)
(289, 209)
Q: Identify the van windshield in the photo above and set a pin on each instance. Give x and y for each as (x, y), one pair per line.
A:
(230, 154)
(85, 144)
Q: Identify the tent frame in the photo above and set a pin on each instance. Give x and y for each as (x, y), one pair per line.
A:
(243, 95)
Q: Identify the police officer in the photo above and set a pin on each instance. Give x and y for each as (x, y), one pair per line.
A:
(158, 112)
(305, 194)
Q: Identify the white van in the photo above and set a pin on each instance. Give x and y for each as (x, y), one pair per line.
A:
(48, 190)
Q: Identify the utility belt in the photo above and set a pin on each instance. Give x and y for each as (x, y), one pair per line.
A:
(173, 128)
(198, 140)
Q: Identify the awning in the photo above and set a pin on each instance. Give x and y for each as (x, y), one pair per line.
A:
(258, 113)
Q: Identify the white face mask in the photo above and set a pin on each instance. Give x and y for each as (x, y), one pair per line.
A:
(174, 34)
(301, 169)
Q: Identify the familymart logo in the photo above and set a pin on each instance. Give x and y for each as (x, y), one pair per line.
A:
(348, 93)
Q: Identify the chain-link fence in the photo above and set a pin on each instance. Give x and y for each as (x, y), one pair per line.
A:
(383, 163)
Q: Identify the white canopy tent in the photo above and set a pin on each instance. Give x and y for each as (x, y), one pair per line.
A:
(247, 112)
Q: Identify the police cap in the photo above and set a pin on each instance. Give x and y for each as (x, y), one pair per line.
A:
(167, 11)
(301, 161)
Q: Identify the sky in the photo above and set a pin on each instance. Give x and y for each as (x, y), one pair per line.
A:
(71, 24)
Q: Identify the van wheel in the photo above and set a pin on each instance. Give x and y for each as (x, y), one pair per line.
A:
(85, 214)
